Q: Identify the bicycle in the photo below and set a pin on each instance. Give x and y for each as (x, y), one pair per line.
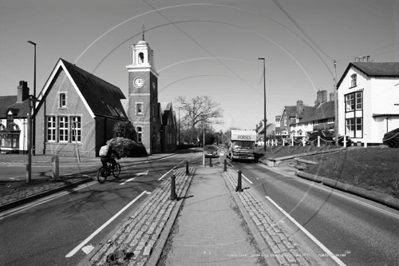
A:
(103, 173)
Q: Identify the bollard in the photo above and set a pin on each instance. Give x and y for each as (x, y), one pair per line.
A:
(225, 165)
(173, 195)
(56, 167)
(210, 162)
(187, 171)
(239, 185)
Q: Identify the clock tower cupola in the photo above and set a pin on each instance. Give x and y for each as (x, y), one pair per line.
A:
(143, 107)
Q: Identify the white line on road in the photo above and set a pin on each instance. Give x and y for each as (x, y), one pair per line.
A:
(249, 181)
(317, 242)
(170, 170)
(81, 245)
(337, 193)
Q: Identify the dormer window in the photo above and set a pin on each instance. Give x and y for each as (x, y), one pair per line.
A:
(62, 100)
(353, 81)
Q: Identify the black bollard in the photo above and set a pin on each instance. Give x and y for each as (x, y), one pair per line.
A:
(173, 195)
(239, 186)
(187, 171)
(225, 165)
(210, 162)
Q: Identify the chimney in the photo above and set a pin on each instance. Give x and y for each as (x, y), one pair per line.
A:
(299, 106)
(332, 96)
(22, 91)
(323, 96)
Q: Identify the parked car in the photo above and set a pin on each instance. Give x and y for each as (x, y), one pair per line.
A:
(326, 137)
(211, 151)
(391, 139)
(341, 141)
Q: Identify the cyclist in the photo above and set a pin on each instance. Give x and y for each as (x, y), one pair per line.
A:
(109, 157)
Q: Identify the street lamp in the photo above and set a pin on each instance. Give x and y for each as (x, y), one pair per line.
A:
(34, 98)
(264, 100)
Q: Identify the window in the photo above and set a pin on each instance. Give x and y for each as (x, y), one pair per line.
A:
(63, 128)
(354, 101)
(76, 129)
(139, 134)
(354, 127)
(359, 97)
(51, 129)
(350, 102)
(139, 108)
(62, 100)
(353, 81)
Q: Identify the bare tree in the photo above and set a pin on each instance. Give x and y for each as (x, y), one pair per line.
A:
(200, 109)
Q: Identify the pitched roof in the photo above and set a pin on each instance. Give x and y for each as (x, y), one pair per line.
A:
(322, 111)
(373, 69)
(103, 98)
(20, 110)
(166, 110)
(291, 110)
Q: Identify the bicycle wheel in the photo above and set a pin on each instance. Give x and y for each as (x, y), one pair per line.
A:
(117, 170)
(101, 175)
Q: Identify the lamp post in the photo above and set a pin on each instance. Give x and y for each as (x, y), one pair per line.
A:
(33, 131)
(264, 101)
(179, 124)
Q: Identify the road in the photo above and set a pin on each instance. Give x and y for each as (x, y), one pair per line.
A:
(355, 230)
(50, 231)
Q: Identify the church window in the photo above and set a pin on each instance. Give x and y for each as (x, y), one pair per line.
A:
(51, 129)
(76, 122)
(139, 134)
(62, 100)
(139, 108)
(63, 128)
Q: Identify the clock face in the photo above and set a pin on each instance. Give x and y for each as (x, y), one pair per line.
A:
(138, 82)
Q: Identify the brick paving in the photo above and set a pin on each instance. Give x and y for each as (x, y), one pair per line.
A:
(281, 246)
(139, 234)
(209, 231)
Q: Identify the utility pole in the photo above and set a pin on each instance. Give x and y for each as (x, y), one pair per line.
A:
(335, 103)
(264, 101)
(34, 100)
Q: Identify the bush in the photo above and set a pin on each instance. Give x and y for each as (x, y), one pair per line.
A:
(127, 147)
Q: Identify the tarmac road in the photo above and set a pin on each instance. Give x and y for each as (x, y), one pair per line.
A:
(49, 230)
(356, 230)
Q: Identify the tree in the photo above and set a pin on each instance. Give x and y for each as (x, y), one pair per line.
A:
(200, 109)
(124, 129)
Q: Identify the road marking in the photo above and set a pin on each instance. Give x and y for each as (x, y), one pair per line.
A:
(81, 245)
(136, 175)
(337, 192)
(159, 179)
(317, 242)
(174, 168)
(42, 201)
(249, 181)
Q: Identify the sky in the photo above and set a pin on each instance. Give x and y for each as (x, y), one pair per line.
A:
(207, 48)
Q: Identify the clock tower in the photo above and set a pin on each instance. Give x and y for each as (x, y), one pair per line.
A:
(143, 107)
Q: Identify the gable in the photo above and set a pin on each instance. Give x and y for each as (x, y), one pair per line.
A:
(98, 96)
(372, 69)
